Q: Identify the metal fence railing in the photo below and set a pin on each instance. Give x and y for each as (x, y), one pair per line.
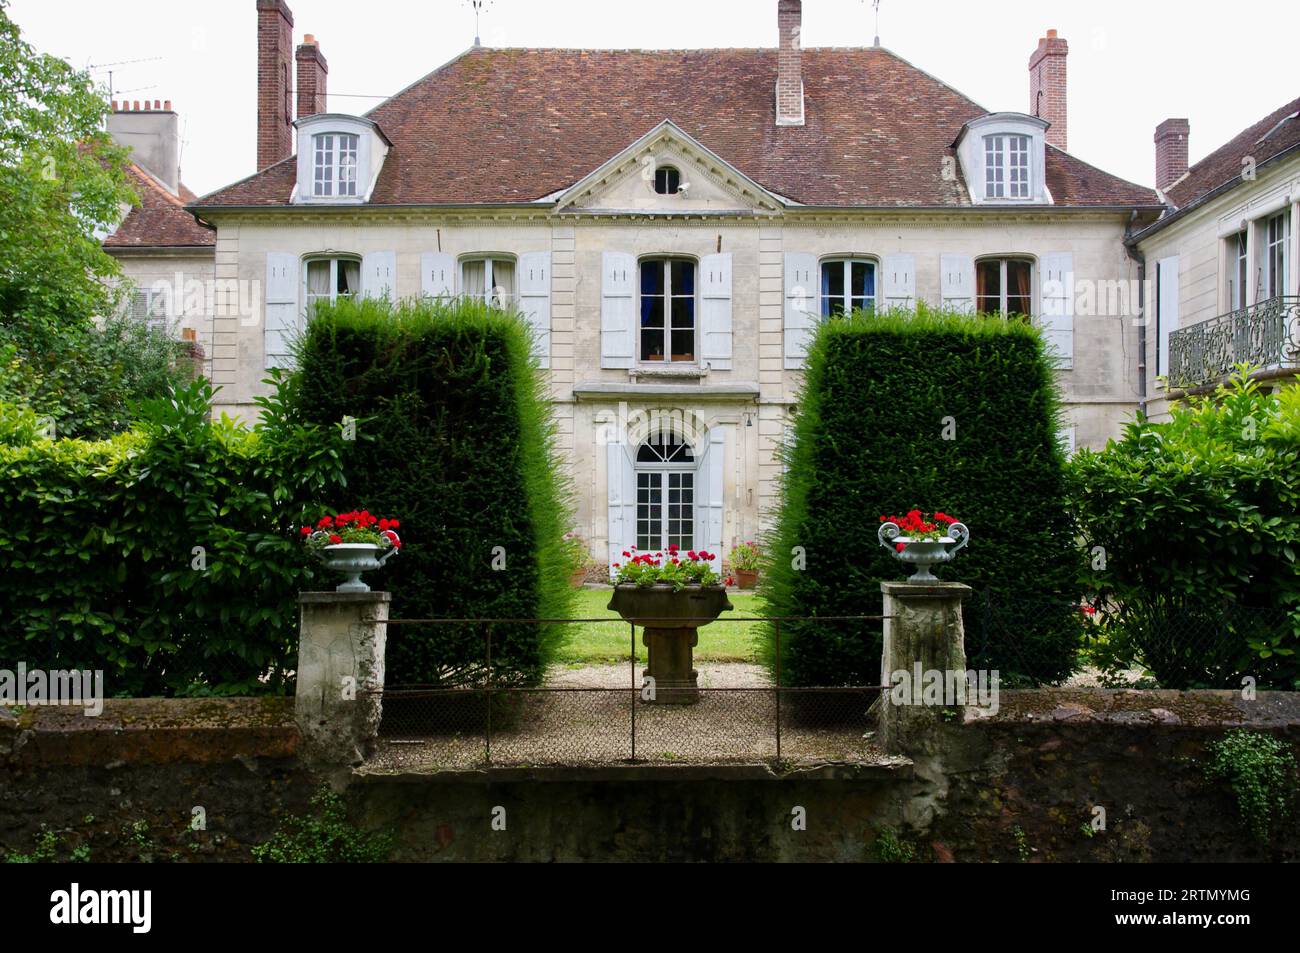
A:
(739, 713)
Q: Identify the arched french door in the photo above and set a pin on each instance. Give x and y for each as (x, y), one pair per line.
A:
(665, 494)
(665, 490)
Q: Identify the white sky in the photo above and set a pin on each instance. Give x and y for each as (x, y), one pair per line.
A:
(1132, 62)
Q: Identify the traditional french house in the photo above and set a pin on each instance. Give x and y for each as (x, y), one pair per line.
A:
(1225, 260)
(673, 225)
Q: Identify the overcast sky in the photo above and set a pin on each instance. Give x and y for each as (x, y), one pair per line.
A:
(1132, 62)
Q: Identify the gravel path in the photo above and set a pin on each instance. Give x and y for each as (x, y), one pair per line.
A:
(591, 723)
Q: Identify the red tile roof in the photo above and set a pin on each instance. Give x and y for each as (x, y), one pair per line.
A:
(508, 126)
(1274, 134)
(160, 220)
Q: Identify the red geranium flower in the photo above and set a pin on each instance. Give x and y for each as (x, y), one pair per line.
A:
(335, 539)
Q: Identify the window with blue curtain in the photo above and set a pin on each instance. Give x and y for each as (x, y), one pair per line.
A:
(848, 284)
(667, 310)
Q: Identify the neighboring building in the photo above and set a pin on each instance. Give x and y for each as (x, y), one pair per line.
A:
(1224, 260)
(166, 254)
(673, 224)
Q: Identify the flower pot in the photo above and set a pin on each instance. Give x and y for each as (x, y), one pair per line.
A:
(746, 578)
(352, 559)
(670, 620)
(578, 578)
(924, 553)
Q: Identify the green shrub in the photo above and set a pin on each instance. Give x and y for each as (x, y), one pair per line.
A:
(88, 380)
(166, 556)
(324, 836)
(462, 451)
(869, 441)
(1196, 527)
(1261, 771)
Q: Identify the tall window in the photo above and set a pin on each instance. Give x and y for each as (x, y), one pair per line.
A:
(848, 284)
(1006, 167)
(1238, 272)
(149, 306)
(1276, 265)
(490, 280)
(1004, 286)
(329, 279)
(667, 310)
(334, 165)
(665, 494)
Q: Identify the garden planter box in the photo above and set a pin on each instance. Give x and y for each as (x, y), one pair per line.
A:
(671, 621)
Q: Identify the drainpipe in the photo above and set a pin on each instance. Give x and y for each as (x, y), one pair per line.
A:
(1131, 249)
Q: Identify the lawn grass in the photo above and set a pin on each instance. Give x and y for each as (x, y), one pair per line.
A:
(599, 643)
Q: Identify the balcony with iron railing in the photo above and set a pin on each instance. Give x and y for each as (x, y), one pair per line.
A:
(1264, 335)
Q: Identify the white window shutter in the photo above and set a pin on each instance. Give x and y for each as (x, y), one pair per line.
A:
(801, 306)
(535, 300)
(379, 275)
(437, 275)
(715, 311)
(282, 315)
(1167, 313)
(618, 310)
(1066, 436)
(957, 283)
(899, 281)
(709, 495)
(621, 478)
(1057, 284)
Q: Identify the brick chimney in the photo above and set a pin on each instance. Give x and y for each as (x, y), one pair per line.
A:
(1047, 87)
(789, 71)
(1171, 151)
(274, 82)
(313, 72)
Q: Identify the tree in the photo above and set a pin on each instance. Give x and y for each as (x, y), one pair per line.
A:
(62, 181)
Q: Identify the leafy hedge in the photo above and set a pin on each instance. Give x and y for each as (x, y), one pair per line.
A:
(868, 441)
(458, 443)
(1198, 525)
(98, 561)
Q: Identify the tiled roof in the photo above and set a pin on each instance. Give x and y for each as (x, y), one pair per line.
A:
(1275, 133)
(508, 126)
(160, 220)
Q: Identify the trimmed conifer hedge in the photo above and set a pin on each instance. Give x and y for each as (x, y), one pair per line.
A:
(869, 441)
(455, 438)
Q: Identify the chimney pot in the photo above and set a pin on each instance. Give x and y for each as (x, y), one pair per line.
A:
(1048, 87)
(789, 72)
(167, 105)
(1172, 139)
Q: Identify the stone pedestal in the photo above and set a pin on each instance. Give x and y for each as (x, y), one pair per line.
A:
(671, 665)
(341, 673)
(923, 634)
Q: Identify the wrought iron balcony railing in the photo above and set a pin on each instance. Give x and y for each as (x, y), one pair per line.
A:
(1266, 334)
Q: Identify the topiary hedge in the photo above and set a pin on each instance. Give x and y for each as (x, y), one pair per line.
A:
(166, 556)
(458, 443)
(881, 393)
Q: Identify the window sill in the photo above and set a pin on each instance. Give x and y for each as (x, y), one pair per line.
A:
(668, 372)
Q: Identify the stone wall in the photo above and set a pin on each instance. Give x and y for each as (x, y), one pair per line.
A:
(1019, 786)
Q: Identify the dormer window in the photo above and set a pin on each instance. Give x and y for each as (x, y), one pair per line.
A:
(339, 159)
(1003, 158)
(334, 164)
(1006, 167)
(668, 180)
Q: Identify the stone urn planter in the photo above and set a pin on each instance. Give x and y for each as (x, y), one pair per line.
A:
(924, 553)
(671, 621)
(352, 559)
